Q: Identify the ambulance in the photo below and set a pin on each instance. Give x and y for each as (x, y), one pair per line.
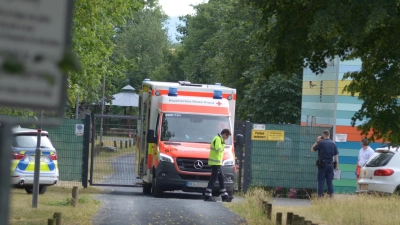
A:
(177, 123)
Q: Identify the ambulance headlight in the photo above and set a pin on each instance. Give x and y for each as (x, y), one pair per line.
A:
(165, 158)
(228, 162)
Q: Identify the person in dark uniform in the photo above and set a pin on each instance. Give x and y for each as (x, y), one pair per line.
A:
(327, 154)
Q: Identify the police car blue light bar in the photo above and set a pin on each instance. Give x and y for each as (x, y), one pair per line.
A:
(172, 91)
(217, 94)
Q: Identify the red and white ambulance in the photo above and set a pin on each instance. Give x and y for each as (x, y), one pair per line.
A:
(178, 122)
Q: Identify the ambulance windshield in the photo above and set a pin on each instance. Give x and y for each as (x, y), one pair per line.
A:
(193, 128)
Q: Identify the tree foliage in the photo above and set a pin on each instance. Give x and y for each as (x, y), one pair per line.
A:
(306, 33)
(221, 44)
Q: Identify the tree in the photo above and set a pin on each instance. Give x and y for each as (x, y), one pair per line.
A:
(144, 40)
(94, 25)
(220, 44)
(306, 33)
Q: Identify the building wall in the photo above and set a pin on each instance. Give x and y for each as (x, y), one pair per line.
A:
(331, 106)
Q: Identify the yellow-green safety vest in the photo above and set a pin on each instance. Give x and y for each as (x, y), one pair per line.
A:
(216, 151)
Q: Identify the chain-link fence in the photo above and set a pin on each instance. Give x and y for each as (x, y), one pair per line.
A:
(286, 167)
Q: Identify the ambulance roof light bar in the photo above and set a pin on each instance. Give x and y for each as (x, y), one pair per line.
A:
(172, 91)
(217, 94)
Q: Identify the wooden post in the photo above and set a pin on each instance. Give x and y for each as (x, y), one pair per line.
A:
(50, 222)
(130, 143)
(295, 220)
(278, 218)
(126, 144)
(57, 217)
(308, 222)
(120, 144)
(269, 211)
(289, 218)
(314, 224)
(301, 220)
(115, 143)
(75, 196)
(264, 206)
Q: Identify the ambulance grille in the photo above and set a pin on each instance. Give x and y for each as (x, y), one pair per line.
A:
(188, 165)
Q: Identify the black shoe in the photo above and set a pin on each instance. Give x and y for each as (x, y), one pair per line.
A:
(227, 199)
(209, 199)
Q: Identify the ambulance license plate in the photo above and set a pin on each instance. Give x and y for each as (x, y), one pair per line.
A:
(196, 184)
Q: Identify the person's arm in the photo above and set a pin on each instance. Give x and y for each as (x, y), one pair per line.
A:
(337, 162)
(315, 146)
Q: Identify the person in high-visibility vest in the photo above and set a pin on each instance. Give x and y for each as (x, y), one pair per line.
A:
(215, 161)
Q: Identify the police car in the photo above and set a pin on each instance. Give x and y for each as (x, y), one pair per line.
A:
(24, 143)
(381, 173)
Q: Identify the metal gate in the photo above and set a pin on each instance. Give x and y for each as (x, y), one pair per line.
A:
(113, 151)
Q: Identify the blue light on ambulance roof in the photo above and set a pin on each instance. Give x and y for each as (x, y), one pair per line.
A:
(172, 91)
(217, 84)
(217, 94)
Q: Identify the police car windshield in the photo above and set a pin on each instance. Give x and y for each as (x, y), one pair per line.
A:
(30, 141)
(193, 128)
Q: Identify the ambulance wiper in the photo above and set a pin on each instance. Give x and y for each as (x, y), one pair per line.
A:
(205, 142)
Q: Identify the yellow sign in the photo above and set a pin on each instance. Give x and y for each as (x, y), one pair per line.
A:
(259, 135)
(268, 135)
(276, 135)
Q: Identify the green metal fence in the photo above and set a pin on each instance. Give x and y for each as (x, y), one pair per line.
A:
(70, 150)
(281, 165)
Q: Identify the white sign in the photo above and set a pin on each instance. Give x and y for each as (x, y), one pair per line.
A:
(341, 138)
(258, 126)
(79, 129)
(35, 34)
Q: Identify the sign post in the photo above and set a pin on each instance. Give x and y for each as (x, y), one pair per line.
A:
(34, 36)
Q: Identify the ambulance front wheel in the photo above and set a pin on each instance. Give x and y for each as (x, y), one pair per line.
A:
(156, 190)
(146, 188)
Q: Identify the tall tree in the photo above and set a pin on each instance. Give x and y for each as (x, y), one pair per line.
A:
(306, 33)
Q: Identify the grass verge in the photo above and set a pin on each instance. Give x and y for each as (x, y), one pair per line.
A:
(343, 209)
(56, 199)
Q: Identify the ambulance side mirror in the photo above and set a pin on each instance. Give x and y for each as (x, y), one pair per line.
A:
(151, 137)
(239, 140)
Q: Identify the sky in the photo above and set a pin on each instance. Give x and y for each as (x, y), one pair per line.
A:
(174, 9)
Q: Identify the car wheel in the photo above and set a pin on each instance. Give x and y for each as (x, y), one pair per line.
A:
(42, 189)
(29, 190)
(157, 191)
(146, 188)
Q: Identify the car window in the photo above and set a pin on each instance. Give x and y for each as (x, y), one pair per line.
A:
(379, 159)
(29, 141)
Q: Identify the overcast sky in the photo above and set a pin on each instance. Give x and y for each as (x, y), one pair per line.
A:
(175, 8)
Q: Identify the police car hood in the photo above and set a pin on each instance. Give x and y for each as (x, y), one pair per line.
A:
(191, 150)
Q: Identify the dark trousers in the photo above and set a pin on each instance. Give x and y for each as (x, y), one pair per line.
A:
(216, 173)
(325, 173)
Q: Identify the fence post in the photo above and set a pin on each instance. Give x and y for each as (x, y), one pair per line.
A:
(120, 144)
(247, 158)
(115, 143)
(130, 143)
(75, 196)
(278, 218)
(301, 220)
(269, 211)
(85, 153)
(57, 217)
(126, 144)
(289, 218)
(295, 220)
(264, 206)
(50, 222)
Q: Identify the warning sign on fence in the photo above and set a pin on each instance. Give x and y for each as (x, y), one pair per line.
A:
(267, 135)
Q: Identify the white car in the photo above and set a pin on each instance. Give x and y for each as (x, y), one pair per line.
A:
(381, 173)
(24, 143)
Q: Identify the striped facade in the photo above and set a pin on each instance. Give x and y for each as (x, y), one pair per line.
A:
(323, 98)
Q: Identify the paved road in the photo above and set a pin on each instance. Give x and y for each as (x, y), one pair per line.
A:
(129, 206)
